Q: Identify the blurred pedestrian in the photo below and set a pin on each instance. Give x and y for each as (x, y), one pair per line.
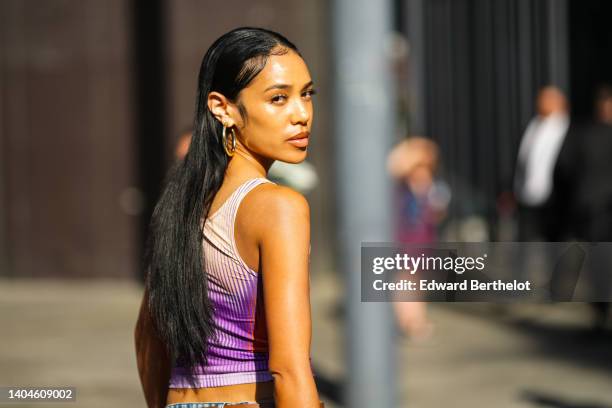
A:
(182, 145)
(537, 158)
(301, 177)
(592, 196)
(421, 203)
(593, 191)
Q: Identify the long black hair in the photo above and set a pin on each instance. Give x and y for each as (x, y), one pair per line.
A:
(176, 280)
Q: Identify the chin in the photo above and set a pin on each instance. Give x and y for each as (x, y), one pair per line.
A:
(294, 157)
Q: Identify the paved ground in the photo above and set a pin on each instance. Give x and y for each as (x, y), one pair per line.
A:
(80, 334)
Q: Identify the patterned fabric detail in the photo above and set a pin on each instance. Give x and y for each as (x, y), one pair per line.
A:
(238, 351)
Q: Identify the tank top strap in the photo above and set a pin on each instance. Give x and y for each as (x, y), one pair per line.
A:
(232, 209)
(237, 196)
(219, 228)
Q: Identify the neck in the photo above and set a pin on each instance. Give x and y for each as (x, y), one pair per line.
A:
(244, 162)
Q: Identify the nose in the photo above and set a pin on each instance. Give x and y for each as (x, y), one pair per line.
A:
(300, 113)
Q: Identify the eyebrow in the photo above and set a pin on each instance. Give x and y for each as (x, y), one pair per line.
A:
(285, 86)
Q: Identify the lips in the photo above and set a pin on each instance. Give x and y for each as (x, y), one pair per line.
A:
(300, 140)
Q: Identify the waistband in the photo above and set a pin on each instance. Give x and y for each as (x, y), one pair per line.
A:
(245, 404)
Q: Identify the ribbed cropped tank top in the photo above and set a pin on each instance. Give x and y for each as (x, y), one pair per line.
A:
(238, 350)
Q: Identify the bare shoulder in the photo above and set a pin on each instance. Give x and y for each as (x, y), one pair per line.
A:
(270, 208)
(272, 201)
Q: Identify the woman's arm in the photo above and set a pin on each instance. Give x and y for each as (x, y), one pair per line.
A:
(283, 235)
(152, 359)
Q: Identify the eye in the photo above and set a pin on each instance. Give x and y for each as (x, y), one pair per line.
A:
(308, 94)
(277, 99)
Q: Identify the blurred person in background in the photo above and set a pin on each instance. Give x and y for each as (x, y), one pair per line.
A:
(225, 317)
(182, 145)
(593, 189)
(421, 203)
(592, 194)
(301, 177)
(540, 209)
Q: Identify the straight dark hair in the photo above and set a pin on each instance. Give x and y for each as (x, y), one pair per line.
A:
(176, 280)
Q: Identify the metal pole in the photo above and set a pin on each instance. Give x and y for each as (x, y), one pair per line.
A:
(365, 126)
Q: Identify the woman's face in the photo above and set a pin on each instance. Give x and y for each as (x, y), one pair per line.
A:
(278, 104)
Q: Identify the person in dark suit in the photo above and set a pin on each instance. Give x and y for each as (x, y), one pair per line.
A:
(592, 196)
(593, 206)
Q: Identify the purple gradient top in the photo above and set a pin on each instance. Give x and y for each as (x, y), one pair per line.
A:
(238, 351)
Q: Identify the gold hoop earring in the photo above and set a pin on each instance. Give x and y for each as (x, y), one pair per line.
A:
(228, 145)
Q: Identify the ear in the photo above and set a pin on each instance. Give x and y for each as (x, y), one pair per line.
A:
(220, 108)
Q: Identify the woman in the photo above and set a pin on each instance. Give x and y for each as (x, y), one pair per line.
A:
(225, 318)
